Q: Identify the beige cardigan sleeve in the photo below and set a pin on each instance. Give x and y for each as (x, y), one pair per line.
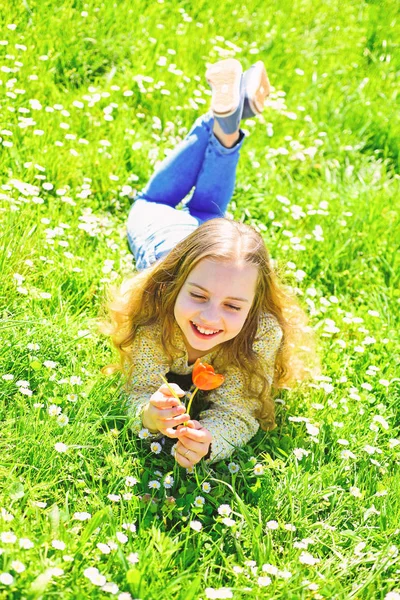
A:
(149, 364)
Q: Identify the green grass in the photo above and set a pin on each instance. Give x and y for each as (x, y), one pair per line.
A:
(132, 74)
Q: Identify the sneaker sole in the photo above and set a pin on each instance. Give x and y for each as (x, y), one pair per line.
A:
(224, 78)
(258, 88)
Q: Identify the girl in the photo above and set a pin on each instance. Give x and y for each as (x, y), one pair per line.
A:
(207, 289)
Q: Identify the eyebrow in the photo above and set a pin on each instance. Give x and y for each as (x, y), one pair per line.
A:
(228, 298)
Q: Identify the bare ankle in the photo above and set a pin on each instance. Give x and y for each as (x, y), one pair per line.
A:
(226, 139)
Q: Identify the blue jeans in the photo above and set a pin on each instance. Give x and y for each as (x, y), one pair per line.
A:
(201, 162)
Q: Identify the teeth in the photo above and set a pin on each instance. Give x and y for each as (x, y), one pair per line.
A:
(205, 331)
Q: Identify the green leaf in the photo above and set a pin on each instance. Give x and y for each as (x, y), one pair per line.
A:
(100, 517)
(17, 491)
(35, 365)
(133, 576)
(191, 592)
(153, 508)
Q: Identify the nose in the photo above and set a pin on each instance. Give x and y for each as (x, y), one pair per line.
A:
(210, 316)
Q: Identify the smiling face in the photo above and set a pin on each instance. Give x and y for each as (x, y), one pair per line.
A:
(213, 304)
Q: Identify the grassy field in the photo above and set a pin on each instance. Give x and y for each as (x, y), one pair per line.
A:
(92, 95)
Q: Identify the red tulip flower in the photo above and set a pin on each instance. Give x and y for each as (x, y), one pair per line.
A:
(204, 378)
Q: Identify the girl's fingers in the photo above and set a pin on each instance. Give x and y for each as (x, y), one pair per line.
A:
(166, 390)
(196, 447)
(174, 422)
(183, 461)
(195, 424)
(170, 432)
(172, 413)
(185, 457)
(197, 435)
(160, 401)
(167, 426)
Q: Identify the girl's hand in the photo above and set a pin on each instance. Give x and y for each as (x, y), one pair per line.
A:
(194, 443)
(164, 412)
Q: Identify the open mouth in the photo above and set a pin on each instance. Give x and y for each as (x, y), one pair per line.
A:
(203, 333)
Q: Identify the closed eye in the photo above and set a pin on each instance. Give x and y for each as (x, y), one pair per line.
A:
(197, 296)
(233, 307)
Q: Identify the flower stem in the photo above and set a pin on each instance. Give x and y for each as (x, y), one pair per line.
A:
(175, 395)
(189, 406)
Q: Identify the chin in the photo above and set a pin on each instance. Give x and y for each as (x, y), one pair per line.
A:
(201, 344)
